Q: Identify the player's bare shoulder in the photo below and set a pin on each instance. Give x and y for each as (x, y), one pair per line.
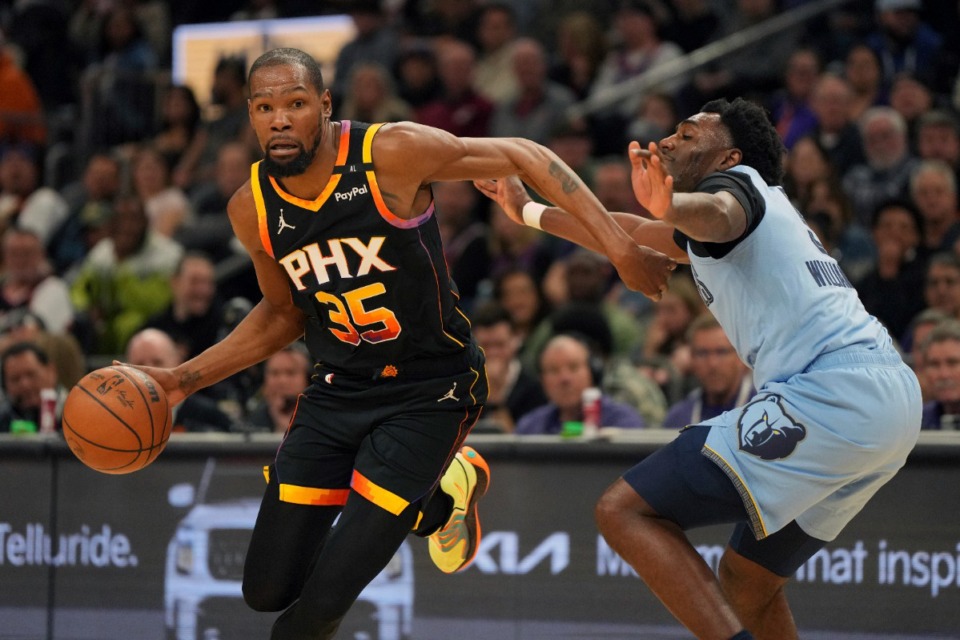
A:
(411, 148)
(242, 211)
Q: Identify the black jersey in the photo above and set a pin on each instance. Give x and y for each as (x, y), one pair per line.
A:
(374, 287)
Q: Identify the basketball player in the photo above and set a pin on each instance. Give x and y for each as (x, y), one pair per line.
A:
(339, 220)
(836, 413)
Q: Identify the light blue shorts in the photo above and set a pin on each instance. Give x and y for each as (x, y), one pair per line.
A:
(816, 447)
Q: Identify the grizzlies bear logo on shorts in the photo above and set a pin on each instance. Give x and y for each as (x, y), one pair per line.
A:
(767, 431)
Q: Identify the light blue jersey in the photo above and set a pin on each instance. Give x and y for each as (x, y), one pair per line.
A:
(836, 411)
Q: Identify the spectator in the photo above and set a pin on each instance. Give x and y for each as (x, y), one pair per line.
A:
(865, 77)
(580, 50)
(724, 381)
(940, 351)
(21, 113)
(28, 282)
(519, 293)
(565, 372)
(513, 245)
(886, 172)
(417, 75)
(62, 349)
(371, 96)
(166, 205)
(496, 74)
(911, 98)
(180, 120)
(197, 413)
(806, 163)
(836, 130)
(933, 188)
(285, 375)
(125, 278)
(513, 391)
(572, 140)
(656, 118)
(460, 109)
(902, 41)
(611, 185)
(828, 210)
(465, 238)
(538, 105)
(194, 315)
(892, 291)
(920, 327)
(790, 109)
(229, 93)
(23, 201)
(375, 42)
(941, 285)
(938, 138)
(26, 370)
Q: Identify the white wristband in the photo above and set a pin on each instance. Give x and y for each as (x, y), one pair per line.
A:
(532, 212)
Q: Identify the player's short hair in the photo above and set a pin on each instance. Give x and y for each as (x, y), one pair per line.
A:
(293, 57)
(753, 133)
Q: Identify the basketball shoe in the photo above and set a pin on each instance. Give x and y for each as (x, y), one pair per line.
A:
(454, 545)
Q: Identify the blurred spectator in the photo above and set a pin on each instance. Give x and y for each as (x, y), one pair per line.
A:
(63, 349)
(23, 201)
(519, 293)
(567, 368)
(125, 279)
(180, 120)
(495, 77)
(656, 118)
(256, 10)
(230, 124)
(920, 327)
(580, 50)
(28, 282)
(902, 41)
(539, 105)
(724, 381)
(693, 24)
(516, 246)
(286, 375)
(790, 108)
(513, 391)
(893, 290)
(375, 42)
(459, 109)
(465, 238)
(371, 96)
(611, 185)
(418, 78)
(828, 210)
(940, 351)
(21, 113)
(941, 290)
(442, 19)
(665, 353)
(886, 172)
(938, 138)
(806, 163)
(573, 141)
(933, 188)
(836, 130)
(911, 98)
(166, 205)
(865, 77)
(26, 370)
(197, 413)
(194, 315)
(209, 230)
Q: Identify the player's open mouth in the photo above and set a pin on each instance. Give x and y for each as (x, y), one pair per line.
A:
(284, 149)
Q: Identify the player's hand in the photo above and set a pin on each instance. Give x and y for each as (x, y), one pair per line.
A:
(166, 378)
(508, 192)
(652, 185)
(645, 270)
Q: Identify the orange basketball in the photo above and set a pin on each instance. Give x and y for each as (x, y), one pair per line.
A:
(117, 419)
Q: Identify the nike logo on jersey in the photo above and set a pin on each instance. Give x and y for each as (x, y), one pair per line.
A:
(348, 195)
(311, 260)
(283, 224)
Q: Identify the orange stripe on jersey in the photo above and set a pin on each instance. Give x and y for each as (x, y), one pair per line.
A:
(382, 207)
(344, 142)
(261, 208)
(296, 494)
(383, 498)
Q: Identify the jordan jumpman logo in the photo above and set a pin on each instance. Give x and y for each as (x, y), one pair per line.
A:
(283, 224)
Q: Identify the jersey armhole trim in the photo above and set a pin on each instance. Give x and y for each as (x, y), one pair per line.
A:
(261, 208)
(382, 208)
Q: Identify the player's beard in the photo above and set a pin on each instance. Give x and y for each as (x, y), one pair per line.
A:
(298, 164)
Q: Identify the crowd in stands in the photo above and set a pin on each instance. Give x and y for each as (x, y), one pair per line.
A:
(114, 238)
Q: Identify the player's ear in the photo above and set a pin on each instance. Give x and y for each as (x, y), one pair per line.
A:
(731, 158)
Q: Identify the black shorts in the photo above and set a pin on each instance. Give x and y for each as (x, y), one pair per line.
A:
(686, 487)
(388, 439)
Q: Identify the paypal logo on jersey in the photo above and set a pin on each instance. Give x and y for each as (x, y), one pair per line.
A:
(348, 195)
(767, 431)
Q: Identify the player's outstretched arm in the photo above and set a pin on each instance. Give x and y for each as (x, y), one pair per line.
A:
(512, 197)
(707, 217)
(419, 154)
(271, 325)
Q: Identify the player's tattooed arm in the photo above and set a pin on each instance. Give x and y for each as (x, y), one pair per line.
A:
(189, 381)
(568, 181)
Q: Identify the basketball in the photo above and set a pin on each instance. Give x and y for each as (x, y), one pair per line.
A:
(117, 419)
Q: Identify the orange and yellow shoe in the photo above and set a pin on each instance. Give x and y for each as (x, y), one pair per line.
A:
(454, 545)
